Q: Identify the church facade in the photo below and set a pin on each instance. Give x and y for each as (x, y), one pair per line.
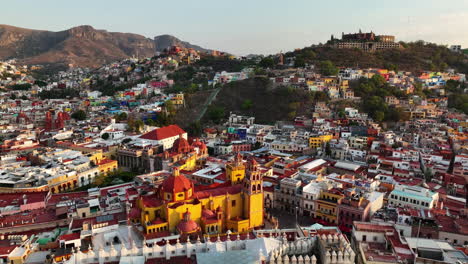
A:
(177, 206)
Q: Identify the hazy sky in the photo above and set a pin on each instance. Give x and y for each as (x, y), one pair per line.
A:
(250, 26)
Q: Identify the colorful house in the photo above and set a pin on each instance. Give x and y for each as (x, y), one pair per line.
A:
(318, 141)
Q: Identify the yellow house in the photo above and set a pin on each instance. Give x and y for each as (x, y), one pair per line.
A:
(344, 85)
(69, 181)
(327, 205)
(330, 80)
(63, 182)
(107, 166)
(177, 206)
(318, 141)
(19, 254)
(178, 99)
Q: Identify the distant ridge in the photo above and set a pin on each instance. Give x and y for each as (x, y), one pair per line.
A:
(82, 46)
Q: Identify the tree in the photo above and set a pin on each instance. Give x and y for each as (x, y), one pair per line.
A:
(267, 62)
(379, 116)
(257, 145)
(247, 104)
(170, 108)
(130, 124)
(13, 96)
(138, 125)
(428, 174)
(40, 83)
(341, 113)
(378, 80)
(376, 107)
(328, 149)
(216, 113)
(299, 62)
(195, 129)
(308, 55)
(79, 115)
(327, 68)
(105, 136)
(120, 117)
(150, 122)
(22, 87)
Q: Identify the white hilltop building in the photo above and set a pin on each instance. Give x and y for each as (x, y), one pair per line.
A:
(304, 245)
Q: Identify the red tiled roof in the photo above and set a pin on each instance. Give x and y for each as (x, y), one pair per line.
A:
(134, 213)
(6, 250)
(105, 161)
(68, 237)
(11, 198)
(151, 201)
(361, 226)
(163, 133)
(59, 197)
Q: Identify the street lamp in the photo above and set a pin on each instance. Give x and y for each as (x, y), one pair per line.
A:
(297, 209)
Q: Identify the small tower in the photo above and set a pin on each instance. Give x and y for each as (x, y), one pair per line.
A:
(235, 171)
(48, 121)
(252, 190)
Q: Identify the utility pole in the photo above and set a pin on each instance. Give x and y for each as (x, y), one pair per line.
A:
(297, 209)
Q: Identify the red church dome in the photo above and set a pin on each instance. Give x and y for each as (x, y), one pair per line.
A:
(207, 213)
(187, 225)
(181, 145)
(199, 144)
(177, 183)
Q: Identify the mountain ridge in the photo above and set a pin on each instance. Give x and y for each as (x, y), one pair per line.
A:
(79, 46)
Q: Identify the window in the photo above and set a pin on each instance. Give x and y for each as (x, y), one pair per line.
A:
(364, 238)
(233, 203)
(375, 239)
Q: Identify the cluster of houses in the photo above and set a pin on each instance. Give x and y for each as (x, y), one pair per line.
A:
(325, 188)
(338, 86)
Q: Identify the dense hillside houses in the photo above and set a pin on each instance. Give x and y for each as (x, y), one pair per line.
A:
(136, 161)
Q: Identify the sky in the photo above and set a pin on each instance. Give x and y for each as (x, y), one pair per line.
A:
(244, 27)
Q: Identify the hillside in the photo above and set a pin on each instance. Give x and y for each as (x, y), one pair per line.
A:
(256, 97)
(163, 42)
(81, 46)
(415, 56)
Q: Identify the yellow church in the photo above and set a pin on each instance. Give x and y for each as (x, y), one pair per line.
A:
(177, 206)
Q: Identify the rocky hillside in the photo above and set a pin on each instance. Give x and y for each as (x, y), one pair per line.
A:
(165, 41)
(256, 97)
(80, 46)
